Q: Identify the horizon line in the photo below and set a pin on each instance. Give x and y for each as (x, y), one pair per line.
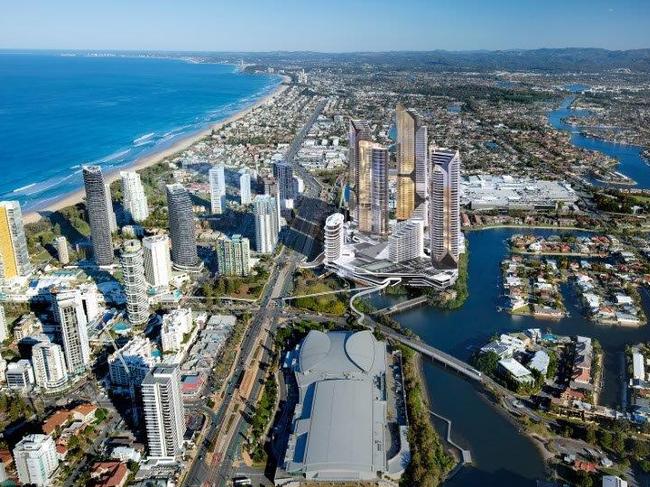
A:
(307, 51)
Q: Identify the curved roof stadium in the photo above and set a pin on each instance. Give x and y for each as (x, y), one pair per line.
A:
(339, 425)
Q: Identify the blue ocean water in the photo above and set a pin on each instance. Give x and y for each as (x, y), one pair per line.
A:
(58, 112)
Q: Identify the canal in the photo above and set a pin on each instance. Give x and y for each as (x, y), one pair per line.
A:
(631, 162)
(501, 454)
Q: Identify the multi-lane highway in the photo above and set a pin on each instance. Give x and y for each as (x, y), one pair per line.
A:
(224, 435)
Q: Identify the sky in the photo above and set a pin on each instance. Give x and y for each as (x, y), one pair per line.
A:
(323, 25)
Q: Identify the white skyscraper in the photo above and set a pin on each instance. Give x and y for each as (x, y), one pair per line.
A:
(267, 223)
(245, 188)
(49, 365)
(36, 460)
(62, 249)
(406, 241)
(71, 318)
(88, 293)
(157, 262)
(444, 208)
(134, 198)
(163, 413)
(135, 288)
(112, 221)
(4, 332)
(217, 189)
(334, 237)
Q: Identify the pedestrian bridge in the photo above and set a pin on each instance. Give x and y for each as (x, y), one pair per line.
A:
(436, 355)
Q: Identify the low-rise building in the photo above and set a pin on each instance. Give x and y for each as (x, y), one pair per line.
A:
(339, 426)
(20, 375)
(515, 370)
(138, 358)
(175, 325)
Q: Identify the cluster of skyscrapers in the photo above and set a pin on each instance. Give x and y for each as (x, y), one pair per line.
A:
(428, 180)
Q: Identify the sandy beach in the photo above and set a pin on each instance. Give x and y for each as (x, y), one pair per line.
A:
(151, 159)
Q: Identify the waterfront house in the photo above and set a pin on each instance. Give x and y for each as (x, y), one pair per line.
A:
(515, 370)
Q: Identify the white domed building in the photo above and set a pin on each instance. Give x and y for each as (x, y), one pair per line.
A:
(340, 422)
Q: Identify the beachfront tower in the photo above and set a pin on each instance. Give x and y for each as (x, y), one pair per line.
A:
(358, 130)
(133, 196)
(444, 213)
(99, 214)
(267, 223)
(372, 188)
(411, 160)
(334, 237)
(135, 288)
(245, 188)
(157, 264)
(14, 258)
(163, 413)
(181, 228)
(72, 330)
(217, 179)
(112, 219)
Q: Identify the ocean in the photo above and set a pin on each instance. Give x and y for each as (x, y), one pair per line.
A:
(58, 112)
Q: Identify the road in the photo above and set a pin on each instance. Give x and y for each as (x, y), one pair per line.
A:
(303, 234)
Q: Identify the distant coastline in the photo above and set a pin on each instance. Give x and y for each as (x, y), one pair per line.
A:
(180, 145)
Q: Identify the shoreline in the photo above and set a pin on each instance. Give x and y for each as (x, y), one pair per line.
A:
(143, 162)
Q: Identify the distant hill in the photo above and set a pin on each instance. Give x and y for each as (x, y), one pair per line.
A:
(541, 60)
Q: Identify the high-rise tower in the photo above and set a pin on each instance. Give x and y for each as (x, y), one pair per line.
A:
(444, 213)
(99, 214)
(358, 130)
(267, 223)
(372, 188)
(245, 188)
(135, 200)
(334, 237)
(135, 288)
(283, 173)
(14, 258)
(411, 162)
(49, 365)
(163, 412)
(217, 179)
(157, 264)
(181, 227)
(72, 329)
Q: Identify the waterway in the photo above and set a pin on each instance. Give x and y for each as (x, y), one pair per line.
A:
(631, 162)
(501, 454)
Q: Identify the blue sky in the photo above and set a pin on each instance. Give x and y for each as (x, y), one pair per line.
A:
(332, 26)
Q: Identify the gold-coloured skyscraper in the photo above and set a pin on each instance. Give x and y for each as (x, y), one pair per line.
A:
(14, 258)
(411, 162)
(372, 188)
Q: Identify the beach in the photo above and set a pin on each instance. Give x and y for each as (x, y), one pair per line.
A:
(149, 160)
